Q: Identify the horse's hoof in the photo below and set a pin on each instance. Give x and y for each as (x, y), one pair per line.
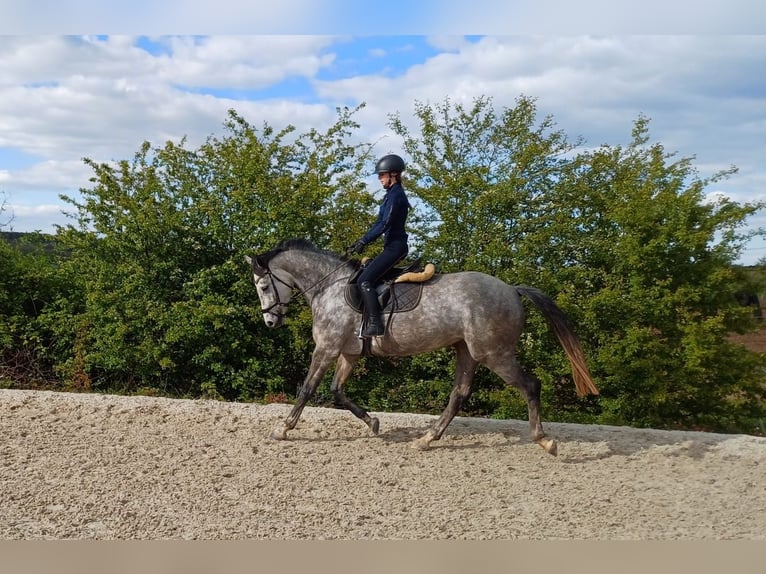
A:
(549, 445)
(278, 434)
(375, 426)
(423, 443)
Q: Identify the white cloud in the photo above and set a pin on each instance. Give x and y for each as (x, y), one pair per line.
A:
(49, 175)
(43, 217)
(44, 210)
(76, 97)
(65, 98)
(245, 61)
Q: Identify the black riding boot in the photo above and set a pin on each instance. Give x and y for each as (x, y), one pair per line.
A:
(374, 326)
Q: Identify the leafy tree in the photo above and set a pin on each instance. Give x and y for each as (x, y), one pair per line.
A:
(644, 261)
(147, 290)
(170, 304)
(623, 237)
(484, 178)
(33, 289)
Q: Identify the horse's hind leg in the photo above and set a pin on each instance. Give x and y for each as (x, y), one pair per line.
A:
(508, 368)
(342, 371)
(464, 371)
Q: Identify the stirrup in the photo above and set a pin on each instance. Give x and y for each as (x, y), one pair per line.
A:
(373, 329)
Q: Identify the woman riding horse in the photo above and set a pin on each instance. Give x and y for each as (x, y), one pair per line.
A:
(392, 216)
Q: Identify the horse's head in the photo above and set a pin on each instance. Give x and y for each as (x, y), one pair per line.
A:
(274, 293)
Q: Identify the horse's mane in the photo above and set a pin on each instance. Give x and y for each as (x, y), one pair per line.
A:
(300, 244)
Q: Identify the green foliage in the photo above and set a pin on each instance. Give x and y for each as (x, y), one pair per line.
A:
(170, 304)
(637, 256)
(643, 263)
(147, 292)
(36, 294)
(485, 181)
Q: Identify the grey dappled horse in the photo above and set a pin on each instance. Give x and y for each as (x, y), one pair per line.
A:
(479, 315)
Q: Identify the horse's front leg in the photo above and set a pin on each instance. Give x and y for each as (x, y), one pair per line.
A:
(342, 372)
(320, 363)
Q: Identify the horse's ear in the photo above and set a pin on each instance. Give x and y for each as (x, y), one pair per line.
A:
(256, 264)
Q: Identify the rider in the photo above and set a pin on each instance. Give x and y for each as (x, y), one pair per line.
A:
(390, 223)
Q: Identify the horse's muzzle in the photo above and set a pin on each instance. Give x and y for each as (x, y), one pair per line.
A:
(272, 320)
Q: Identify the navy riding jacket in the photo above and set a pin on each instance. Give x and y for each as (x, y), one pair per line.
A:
(391, 217)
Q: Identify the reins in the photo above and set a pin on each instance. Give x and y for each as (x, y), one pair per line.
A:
(279, 303)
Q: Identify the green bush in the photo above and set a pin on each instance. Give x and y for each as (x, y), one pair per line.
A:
(147, 291)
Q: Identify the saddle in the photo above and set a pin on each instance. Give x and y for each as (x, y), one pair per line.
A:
(399, 290)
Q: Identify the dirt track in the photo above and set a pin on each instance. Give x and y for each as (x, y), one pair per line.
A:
(78, 466)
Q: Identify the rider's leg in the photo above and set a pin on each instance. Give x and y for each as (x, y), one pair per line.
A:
(369, 278)
(374, 327)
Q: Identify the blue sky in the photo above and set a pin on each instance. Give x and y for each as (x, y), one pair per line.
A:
(171, 69)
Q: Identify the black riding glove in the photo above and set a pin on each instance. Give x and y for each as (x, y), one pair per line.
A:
(358, 247)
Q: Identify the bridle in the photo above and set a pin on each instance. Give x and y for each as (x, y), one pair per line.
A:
(262, 269)
(281, 307)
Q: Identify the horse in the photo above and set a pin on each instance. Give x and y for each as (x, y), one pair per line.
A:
(479, 315)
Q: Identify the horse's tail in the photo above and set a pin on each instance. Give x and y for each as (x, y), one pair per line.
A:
(558, 322)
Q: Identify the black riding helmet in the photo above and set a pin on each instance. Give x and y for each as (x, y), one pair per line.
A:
(389, 163)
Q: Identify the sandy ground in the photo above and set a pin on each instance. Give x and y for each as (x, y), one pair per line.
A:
(78, 466)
